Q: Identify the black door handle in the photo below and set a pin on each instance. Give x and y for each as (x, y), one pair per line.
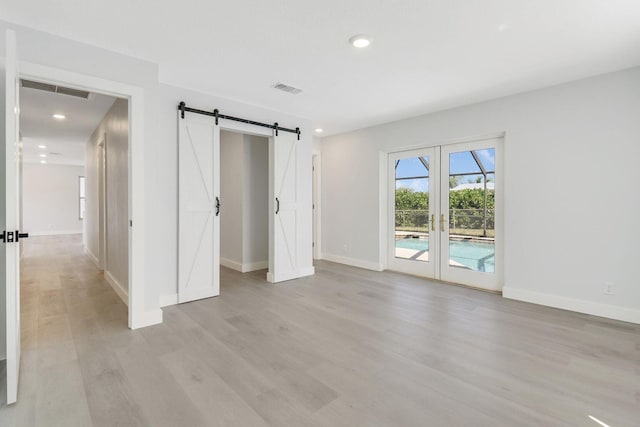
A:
(7, 237)
(277, 206)
(217, 206)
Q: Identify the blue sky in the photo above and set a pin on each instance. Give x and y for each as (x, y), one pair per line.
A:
(459, 162)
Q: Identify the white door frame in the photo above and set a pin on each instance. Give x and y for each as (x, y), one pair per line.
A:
(317, 205)
(138, 315)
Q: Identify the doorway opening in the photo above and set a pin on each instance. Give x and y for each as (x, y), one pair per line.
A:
(244, 193)
(75, 173)
(444, 213)
(74, 201)
(138, 315)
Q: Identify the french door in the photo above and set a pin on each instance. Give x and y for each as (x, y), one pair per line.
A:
(413, 225)
(445, 213)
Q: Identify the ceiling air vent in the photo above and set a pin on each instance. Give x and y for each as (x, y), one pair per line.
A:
(289, 89)
(54, 89)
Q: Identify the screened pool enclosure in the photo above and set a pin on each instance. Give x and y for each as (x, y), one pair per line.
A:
(469, 189)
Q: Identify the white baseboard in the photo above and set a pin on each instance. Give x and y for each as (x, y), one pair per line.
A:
(146, 318)
(226, 262)
(54, 233)
(243, 268)
(167, 300)
(92, 257)
(368, 265)
(117, 287)
(254, 266)
(580, 306)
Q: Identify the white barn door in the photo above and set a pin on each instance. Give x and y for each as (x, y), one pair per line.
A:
(198, 207)
(283, 226)
(11, 214)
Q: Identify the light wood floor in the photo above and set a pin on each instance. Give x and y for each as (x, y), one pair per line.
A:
(346, 347)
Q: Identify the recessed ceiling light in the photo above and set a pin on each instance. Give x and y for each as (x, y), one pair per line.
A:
(42, 146)
(43, 155)
(43, 161)
(503, 27)
(58, 116)
(360, 40)
(319, 130)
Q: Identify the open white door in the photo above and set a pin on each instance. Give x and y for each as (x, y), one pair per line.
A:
(283, 256)
(199, 208)
(11, 219)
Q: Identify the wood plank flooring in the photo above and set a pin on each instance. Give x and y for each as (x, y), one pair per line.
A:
(346, 347)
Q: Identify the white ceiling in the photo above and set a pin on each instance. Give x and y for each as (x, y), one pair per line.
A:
(427, 54)
(65, 139)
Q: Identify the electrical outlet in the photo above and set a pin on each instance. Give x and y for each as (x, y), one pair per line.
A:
(609, 289)
(345, 248)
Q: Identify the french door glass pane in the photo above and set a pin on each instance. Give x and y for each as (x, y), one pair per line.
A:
(472, 210)
(412, 208)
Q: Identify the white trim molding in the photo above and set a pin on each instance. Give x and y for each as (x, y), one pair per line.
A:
(234, 265)
(317, 205)
(117, 287)
(244, 267)
(92, 257)
(581, 306)
(367, 265)
(255, 266)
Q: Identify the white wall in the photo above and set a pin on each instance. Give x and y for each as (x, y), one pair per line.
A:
(231, 184)
(255, 201)
(571, 197)
(244, 191)
(113, 130)
(116, 127)
(51, 198)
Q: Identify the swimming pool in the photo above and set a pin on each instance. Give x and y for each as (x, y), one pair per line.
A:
(478, 256)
